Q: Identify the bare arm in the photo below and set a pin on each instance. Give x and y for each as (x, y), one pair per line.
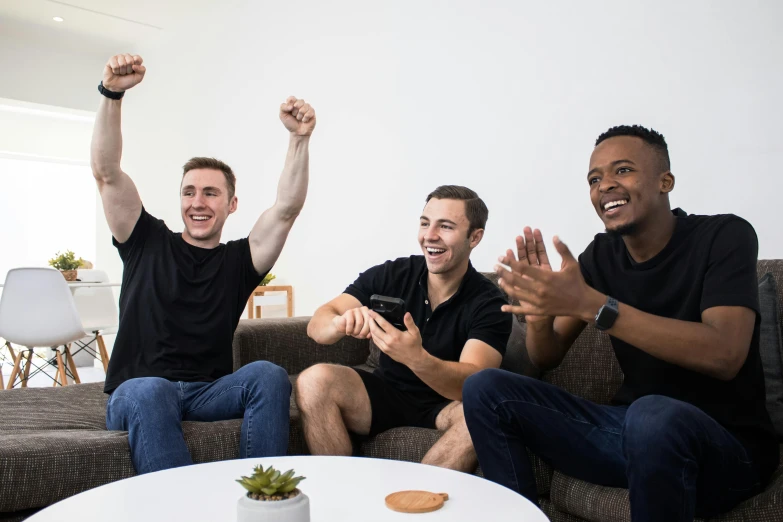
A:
(447, 377)
(547, 341)
(121, 201)
(548, 338)
(717, 346)
(330, 322)
(270, 232)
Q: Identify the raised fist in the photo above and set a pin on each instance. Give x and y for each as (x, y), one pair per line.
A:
(297, 116)
(122, 72)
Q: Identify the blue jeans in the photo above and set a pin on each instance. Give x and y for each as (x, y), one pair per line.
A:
(152, 409)
(675, 460)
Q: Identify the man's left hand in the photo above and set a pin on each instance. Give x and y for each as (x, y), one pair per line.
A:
(542, 292)
(404, 347)
(297, 116)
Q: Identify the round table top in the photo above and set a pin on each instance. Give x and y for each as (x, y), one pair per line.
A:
(341, 489)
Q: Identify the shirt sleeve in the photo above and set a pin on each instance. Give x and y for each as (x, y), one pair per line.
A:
(371, 281)
(249, 279)
(144, 227)
(731, 278)
(491, 325)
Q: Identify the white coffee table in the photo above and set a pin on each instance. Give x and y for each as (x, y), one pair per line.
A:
(341, 489)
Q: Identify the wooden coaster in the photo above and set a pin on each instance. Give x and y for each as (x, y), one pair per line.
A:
(416, 501)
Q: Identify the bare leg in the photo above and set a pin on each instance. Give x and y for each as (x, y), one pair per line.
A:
(454, 450)
(332, 400)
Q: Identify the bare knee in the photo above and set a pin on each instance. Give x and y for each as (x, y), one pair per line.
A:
(314, 385)
(452, 417)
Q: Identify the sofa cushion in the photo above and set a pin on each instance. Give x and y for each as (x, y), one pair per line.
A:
(771, 350)
(590, 369)
(38, 468)
(590, 501)
(605, 504)
(516, 358)
(409, 444)
(553, 514)
(75, 407)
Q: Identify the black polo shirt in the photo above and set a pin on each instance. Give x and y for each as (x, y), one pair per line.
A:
(473, 312)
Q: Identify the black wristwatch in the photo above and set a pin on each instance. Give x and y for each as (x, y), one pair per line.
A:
(607, 315)
(110, 94)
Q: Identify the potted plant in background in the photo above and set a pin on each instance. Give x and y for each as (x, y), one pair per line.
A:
(67, 264)
(267, 279)
(272, 497)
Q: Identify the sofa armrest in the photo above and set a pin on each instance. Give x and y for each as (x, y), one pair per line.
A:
(284, 341)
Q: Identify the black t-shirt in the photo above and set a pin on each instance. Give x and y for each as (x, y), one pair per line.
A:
(179, 305)
(709, 261)
(473, 312)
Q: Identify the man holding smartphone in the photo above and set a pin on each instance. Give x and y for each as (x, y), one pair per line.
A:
(454, 327)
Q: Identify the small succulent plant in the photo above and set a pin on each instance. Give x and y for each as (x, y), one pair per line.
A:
(270, 484)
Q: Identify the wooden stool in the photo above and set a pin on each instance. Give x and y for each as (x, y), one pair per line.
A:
(254, 311)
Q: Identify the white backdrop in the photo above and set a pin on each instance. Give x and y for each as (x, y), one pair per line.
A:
(504, 97)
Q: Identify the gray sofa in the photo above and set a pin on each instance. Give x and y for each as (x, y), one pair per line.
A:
(54, 443)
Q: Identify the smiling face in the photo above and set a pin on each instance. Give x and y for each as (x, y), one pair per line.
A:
(443, 235)
(629, 184)
(205, 205)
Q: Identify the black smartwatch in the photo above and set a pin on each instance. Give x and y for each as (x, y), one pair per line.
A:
(110, 94)
(607, 315)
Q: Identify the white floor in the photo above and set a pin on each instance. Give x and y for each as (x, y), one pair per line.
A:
(86, 374)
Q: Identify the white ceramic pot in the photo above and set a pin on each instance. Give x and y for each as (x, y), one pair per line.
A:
(295, 509)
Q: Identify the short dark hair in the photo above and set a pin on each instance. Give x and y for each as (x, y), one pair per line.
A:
(214, 164)
(475, 209)
(651, 137)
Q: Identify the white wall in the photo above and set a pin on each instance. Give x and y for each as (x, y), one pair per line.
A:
(504, 97)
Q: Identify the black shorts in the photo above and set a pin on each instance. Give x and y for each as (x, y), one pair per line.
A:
(392, 408)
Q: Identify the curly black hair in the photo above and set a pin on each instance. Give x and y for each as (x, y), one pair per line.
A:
(651, 137)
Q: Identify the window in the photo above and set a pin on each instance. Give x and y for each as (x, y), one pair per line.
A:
(45, 207)
(48, 197)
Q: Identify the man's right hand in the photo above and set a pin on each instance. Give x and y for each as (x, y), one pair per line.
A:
(123, 72)
(531, 251)
(354, 322)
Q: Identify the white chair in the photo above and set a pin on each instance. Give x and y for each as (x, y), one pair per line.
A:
(97, 308)
(37, 309)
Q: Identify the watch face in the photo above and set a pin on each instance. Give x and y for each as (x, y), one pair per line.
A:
(605, 318)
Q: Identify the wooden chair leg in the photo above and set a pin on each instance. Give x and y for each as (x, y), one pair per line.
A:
(27, 368)
(69, 363)
(15, 371)
(250, 307)
(61, 369)
(290, 303)
(104, 354)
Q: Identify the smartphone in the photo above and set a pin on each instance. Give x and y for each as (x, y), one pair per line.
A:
(390, 308)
